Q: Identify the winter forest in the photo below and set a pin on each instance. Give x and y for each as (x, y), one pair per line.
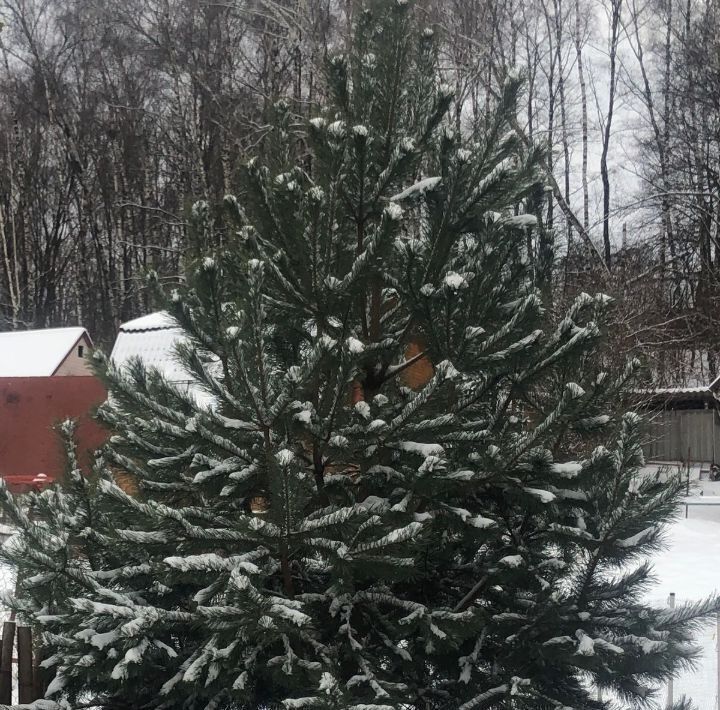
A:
(116, 117)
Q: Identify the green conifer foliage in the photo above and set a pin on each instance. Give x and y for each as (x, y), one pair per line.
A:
(383, 488)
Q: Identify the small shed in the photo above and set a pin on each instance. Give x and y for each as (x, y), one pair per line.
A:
(151, 339)
(682, 424)
(51, 352)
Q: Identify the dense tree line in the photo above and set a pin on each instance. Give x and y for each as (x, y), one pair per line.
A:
(115, 120)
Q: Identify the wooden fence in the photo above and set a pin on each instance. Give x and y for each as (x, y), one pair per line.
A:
(683, 435)
(31, 678)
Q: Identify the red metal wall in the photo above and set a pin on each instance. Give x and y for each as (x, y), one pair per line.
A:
(29, 409)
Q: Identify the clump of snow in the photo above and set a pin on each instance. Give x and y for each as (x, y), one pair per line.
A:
(447, 370)
(574, 390)
(512, 561)
(473, 331)
(363, 409)
(337, 129)
(354, 345)
(394, 212)
(199, 208)
(586, 646)
(637, 539)
(326, 342)
(480, 522)
(541, 495)
(521, 220)
(432, 463)
(305, 416)
(424, 450)
(455, 281)
(567, 470)
(377, 425)
(418, 189)
(284, 457)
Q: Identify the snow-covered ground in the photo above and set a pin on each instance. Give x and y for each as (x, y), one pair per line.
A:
(690, 568)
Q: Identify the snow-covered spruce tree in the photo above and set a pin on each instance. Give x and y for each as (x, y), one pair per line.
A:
(384, 488)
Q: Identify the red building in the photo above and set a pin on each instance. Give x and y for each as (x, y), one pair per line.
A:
(31, 451)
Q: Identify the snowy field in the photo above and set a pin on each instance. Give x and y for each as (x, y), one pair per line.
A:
(690, 568)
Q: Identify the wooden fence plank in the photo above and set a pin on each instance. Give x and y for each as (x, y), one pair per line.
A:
(6, 659)
(40, 675)
(26, 686)
(671, 434)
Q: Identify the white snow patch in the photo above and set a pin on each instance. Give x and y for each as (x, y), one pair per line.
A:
(473, 331)
(305, 416)
(688, 568)
(337, 129)
(637, 539)
(354, 345)
(541, 495)
(419, 188)
(512, 561)
(521, 220)
(455, 281)
(586, 647)
(424, 450)
(394, 212)
(363, 409)
(284, 457)
(567, 470)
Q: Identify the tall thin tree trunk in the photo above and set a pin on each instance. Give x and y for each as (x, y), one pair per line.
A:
(584, 117)
(604, 171)
(563, 114)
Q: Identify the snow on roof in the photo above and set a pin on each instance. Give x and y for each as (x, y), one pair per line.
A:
(36, 353)
(655, 392)
(160, 320)
(153, 339)
(681, 390)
